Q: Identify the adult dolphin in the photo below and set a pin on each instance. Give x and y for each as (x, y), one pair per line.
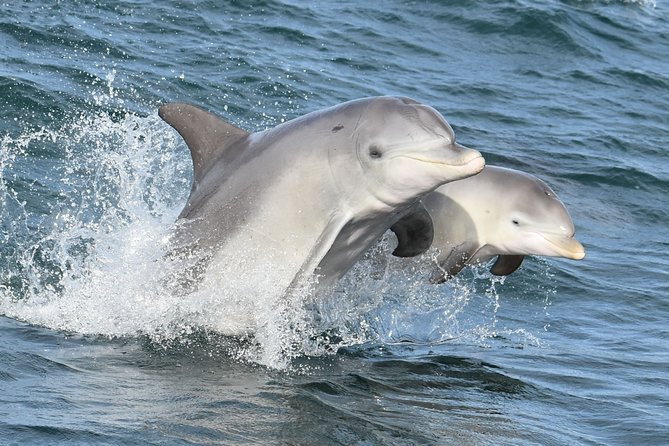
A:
(499, 212)
(312, 194)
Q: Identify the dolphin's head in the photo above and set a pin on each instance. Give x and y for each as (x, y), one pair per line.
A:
(521, 215)
(407, 149)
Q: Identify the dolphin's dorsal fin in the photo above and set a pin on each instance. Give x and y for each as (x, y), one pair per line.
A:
(506, 264)
(414, 233)
(206, 134)
(457, 259)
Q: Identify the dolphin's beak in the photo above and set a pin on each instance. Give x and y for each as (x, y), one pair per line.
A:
(455, 156)
(473, 159)
(564, 246)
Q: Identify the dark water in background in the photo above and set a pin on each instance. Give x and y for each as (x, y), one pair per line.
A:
(575, 92)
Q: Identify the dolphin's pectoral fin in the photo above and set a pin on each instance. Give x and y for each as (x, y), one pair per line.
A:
(205, 133)
(414, 233)
(457, 259)
(329, 252)
(506, 264)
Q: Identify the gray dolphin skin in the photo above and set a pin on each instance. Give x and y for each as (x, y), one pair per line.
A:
(499, 212)
(311, 195)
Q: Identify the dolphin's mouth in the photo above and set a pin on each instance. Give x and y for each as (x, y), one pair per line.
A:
(567, 247)
(433, 160)
(433, 153)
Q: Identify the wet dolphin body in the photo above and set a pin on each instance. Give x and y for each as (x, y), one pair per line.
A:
(499, 212)
(312, 194)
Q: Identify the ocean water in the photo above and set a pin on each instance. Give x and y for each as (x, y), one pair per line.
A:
(94, 351)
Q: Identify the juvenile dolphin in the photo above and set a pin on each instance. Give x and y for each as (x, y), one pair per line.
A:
(499, 212)
(312, 194)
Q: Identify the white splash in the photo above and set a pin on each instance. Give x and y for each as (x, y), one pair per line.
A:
(90, 262)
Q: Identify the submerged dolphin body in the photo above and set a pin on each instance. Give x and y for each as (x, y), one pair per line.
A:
(499, 212)
(311, 195)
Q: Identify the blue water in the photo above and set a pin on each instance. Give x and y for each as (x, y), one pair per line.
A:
(559, 353)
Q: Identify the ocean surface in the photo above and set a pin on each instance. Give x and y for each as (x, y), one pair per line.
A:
(91, 179)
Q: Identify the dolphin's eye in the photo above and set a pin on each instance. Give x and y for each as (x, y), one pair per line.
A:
(515, 222)
(375, 152)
